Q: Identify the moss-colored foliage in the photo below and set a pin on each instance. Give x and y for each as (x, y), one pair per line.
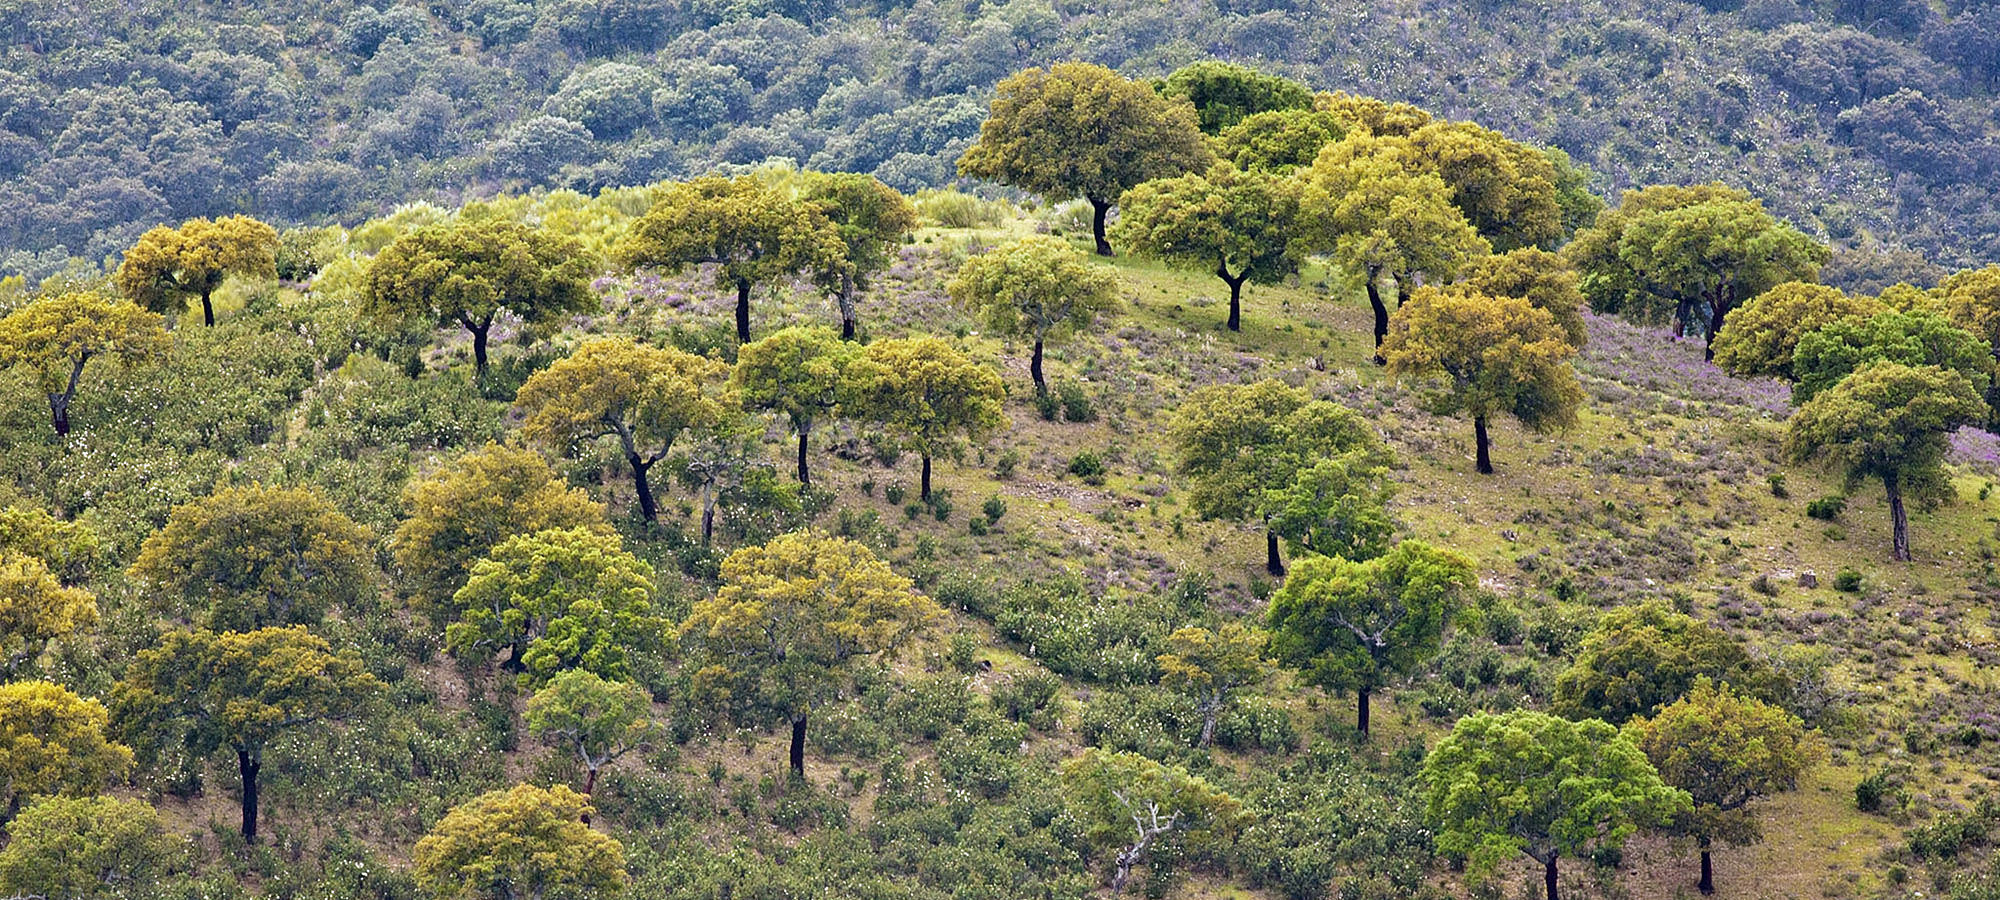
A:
(1760, 336)
(928, 394)
(793, 617)
(1726, 750)
(871, 219)
(1638, 659)
(1546, 280)
(1279, 141)
(1210, 665)
(463, 510)
(1369, 205)
(1888, 421)
(1972, 299)
(85, 848)
(1036, 288)
(248, 557)
(56, 336)
(468, 272)
(1352, 626)
(52, 743)
(1261, 453)
(1830, 353)
(751, 231)
(795, 372)
(170, 266)
(558, 599)
(1529, 782)
(1689, 255)
(238, 691)
(1506, 189)
(1236, 224)
(75, 552)
(519, 843)
(596, 719)
(1128, 806)
(1484, 357)
(1224, 93)
(35, 609)
(646, 397)
(1082, 130)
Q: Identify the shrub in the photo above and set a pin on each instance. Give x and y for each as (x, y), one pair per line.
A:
(1029, 697)
(1088, 466)
(1047, 406)
(1847, 580)
(1076, 405)
(994, 508)
(894, 494)
(953, 209)
(1010, 459)
(1778, 486)
(1827, 508)
(1870, 791)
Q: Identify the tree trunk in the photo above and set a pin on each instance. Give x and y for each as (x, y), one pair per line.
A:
(1484, 458)
(647, 507)
(589, 784)
(1899, 519)
(845, 298)
(799, 746)
(247, 766)
(1381, 317)
(479, 348)
(1707, 883)
(1549, 877)
(1209, 713)
(1361, 711)
(59, 413)
(1126, 859)
(1272, 563)
(924, 489)
(805, 477)
(708, 519)
(743, 310)
(1718, 307)
(516, 652)
(1235, 294)
(207, 310)
(1035, 369)
(1098, 209)
(1680, 319)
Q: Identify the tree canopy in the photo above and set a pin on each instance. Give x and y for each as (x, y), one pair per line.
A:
(53, 743)
(871, 218)
(1485, 356)
(798, 373)
(1224, 93)
(170, 266)
(646, 397)
(793, 615)
(1354, 625)
(1210, 664)
(35, 609)
(1760, 336)
(522, 842)
(1831, 352)
(1082, 130)
(249, 557)
(928, 394)
(1128, 804)
(56, 336)
(85, 848)
(1640, 658)
(1544, 279)
(1888, 420)
(1529, 782)
(556, 600)
(596, 719)
(1037, 288)
(468, 272)
(1236, 224)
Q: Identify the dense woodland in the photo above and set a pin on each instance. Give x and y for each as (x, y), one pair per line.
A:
(1252, 488)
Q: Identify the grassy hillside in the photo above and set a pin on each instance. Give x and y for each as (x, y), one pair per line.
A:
(935, 778)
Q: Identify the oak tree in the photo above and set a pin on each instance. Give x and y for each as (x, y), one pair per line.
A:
(1246, 446)
(797, 373)
(170, 266)
(596, 719)
(1127, 804)
(1353, 625)
(1529, 782)
(646, 397)
(1546, 280)
(1506, 189)
(524, 842)
(557, 599)
(469, 272)
(85, 848)
(247, 557)
(1236, 224)
(1638, 659)
(1888, 421)
(1726, 750)
(1280, 141)
(35, 609)
(1224, 93)
(1211, 664)
(871, 219)
(1082, 130)
(1485, 356)
(53, 742)
(239, 691)
(750, 231)
(1920, 337)
(463, 510)
(1760, 336)
(56, 336)
(795, 616)
(928, 394)
(1037, 288)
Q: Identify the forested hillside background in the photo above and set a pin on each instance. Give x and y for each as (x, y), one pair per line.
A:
(1868, 122)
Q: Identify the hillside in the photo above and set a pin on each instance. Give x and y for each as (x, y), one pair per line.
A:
(1867, 123)
(937, 775)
